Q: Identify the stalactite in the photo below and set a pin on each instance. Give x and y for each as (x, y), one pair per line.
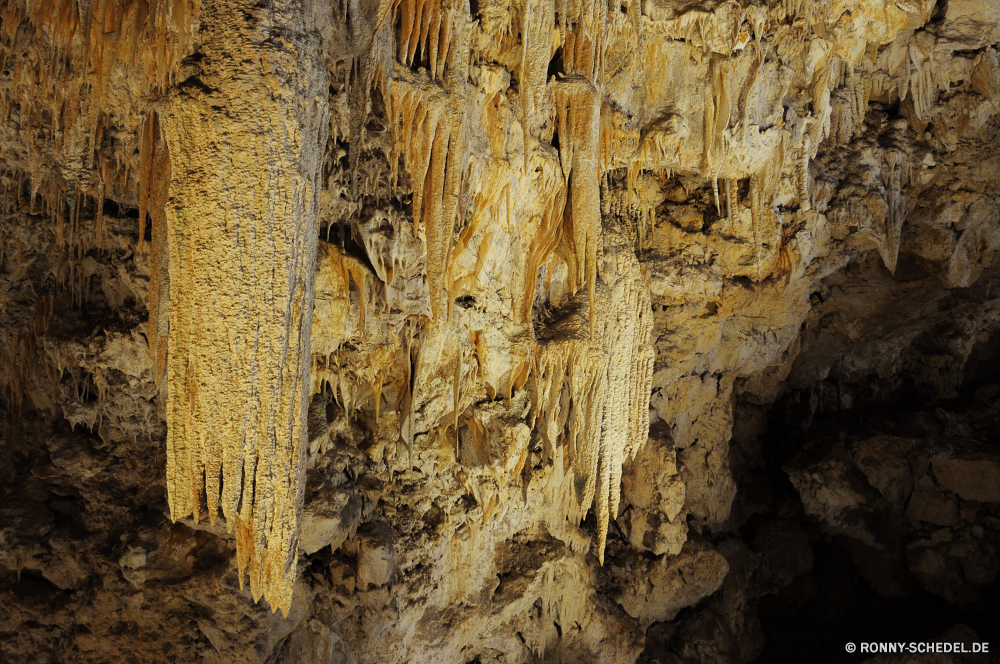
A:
(145, 175)
(894, 178)
(536, 49)
(803, 175)
(242, 224)
(578, 112)
(88, 42)
(428, 121)
(544, 242)
(857, 96)
(426, 124)
(606, 377)
(484, 204)
(756, 217)
(715, 192)
(159, 279)
(335, 272)
(232, 219)
(584, 26)
(371, 35)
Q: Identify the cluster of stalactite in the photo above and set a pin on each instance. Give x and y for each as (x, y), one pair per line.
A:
(77, 80)
(79, 91)
(108, 107)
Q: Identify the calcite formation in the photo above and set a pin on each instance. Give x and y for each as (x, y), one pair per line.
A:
(241, 242)
(471, 331)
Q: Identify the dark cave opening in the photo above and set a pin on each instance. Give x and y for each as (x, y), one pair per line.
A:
(836, 602)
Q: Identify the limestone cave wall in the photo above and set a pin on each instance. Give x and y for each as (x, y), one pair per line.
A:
(499, 330)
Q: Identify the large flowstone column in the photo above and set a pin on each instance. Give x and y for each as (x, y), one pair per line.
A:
(246, 130)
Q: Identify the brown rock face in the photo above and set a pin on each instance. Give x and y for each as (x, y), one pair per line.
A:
(497, 331)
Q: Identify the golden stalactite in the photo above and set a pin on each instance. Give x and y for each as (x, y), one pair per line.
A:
(584, 26)
(145, 173)
(426, 126)
(578, 121)
(487, 202)
(62, 88)
(591, 389)
(155, 201)
(427, 118)
(544, 242)
(536, 51)
(371, 37)
(246, 151)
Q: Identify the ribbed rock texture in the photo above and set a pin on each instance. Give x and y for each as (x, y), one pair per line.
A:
(241, 227)
(497, 331)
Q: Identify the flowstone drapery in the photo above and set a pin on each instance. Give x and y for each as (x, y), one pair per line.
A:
(245, 133)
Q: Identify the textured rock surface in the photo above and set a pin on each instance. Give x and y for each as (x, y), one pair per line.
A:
(498, 331)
